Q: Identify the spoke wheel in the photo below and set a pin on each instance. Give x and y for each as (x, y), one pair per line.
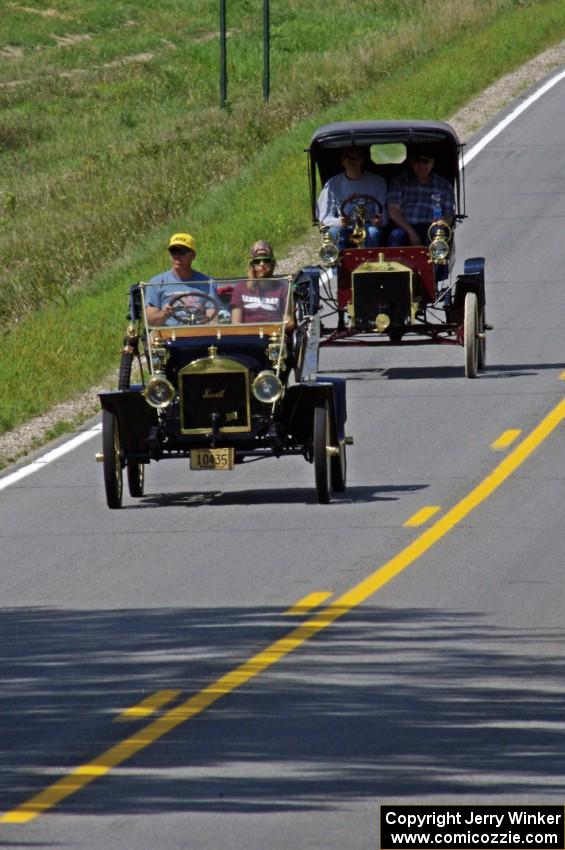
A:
(321, 457)
(136, 478)
(470, 338)
(113, 478)
(338, 469)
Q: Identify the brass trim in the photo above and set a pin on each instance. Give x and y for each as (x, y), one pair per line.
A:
(215, 365)
(382, 265)
(219, 331)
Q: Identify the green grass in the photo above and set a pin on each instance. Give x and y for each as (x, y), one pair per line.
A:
(101, 159)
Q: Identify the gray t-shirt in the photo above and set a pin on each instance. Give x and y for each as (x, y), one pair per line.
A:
(162, 287)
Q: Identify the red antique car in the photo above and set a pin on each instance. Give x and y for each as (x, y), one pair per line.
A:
(398, 295)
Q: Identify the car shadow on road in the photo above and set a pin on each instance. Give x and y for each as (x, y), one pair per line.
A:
(407, 373)
(275, 496)
(408, 702)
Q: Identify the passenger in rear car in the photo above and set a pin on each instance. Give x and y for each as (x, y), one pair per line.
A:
(416, 197)
(343, 189)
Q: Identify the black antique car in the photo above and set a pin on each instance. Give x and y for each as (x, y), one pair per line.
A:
(396, 294)
(218, 393)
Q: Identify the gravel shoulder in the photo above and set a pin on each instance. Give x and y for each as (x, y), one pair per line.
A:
(31, 435)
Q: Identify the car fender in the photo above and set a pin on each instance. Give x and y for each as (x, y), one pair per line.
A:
(472, 280)
(134, 418)
(300, 400)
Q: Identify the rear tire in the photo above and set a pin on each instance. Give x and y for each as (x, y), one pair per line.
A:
(136, 478)
(113, 477)
(321, 458)
(470, 331)
(124, 375)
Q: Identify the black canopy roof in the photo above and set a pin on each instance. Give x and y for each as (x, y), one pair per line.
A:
(329, 140)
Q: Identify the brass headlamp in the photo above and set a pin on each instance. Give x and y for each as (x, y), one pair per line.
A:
(439, 234)
(329, 252)
(159, 392)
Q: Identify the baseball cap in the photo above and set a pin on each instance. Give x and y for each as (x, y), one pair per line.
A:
(184, 240)
(261, 249)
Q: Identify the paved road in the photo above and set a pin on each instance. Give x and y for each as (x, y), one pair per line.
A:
(443, 682)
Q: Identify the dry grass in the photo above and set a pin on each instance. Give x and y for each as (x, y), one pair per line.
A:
(113, 144)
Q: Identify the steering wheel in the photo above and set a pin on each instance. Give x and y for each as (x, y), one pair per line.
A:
(348, 208)
(191, 306)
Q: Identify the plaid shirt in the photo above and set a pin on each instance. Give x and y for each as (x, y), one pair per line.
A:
(417, 202)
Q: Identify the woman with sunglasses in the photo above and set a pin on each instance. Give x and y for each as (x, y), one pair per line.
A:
(417, 198)
(260, 298)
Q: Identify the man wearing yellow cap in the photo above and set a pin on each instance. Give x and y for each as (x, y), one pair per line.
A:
(180, 277)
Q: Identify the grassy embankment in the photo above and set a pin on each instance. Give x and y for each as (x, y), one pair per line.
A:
(110, 137)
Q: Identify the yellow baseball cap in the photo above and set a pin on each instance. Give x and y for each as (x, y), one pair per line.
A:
(184, 240)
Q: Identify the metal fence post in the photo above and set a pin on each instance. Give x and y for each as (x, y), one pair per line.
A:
(266, 51)
(223, 64)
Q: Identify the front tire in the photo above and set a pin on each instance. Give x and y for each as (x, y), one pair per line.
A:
(470, 334)
(321, 437)
(113, 477)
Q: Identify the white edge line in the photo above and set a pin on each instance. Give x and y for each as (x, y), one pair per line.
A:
(50, 456)
(492, 134)
(72, 444)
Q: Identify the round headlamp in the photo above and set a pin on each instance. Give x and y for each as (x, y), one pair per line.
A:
(159, 392)
(439, 250)
(329, 253)
(267, 387)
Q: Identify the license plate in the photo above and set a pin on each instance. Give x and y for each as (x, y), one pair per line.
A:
(214, 459)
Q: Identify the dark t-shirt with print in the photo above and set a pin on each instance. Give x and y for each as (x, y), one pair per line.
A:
(260, 305)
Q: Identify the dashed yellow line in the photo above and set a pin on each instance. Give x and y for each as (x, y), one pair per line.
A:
(422, 516)
(313, 600)
(506, 439)
(149, 705)
(152, 732)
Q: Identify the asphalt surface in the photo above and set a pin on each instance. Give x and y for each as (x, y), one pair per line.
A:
(443, 685)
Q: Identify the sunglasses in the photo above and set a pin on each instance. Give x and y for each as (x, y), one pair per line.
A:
(181, 252)
(262, 261)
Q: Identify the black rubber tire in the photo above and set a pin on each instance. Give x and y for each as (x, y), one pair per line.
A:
(136, 478)
(124, 375)
(321, 458)
(113, 476)
(470, 331)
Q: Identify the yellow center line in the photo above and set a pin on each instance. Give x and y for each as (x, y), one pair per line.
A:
(506, 438)
(121, 752)
(313, 600)
(422, 516)
(149, 705)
